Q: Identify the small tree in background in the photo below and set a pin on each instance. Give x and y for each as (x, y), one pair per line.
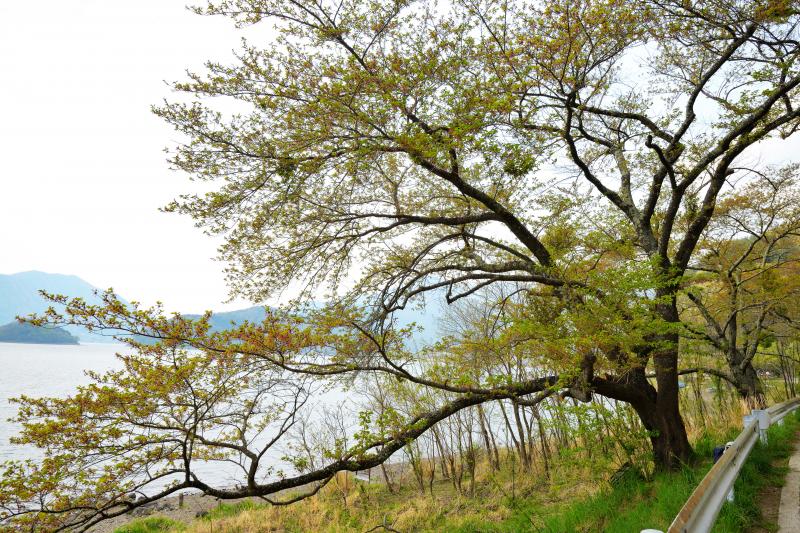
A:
(747, 273)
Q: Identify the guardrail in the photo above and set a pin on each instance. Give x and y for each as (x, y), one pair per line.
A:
(702, 508)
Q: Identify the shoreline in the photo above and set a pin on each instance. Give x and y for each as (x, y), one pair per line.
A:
(195, 505)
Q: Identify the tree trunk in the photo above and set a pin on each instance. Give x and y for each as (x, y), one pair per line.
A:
(523, 449)
(657, 409)
(488, 423)
(486, 442)
(510, 430)
(663, 420)
(749, 385)
(386, 478)
(671, 448)
(788, 367)
(745, 377)
(740, 361)
(670, 443)
(542, 441)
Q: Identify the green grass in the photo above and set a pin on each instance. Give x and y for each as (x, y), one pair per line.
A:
(629, 507)
(757, 473)
(151, 524)
(226, 510)
(160, 524)
(636, 505)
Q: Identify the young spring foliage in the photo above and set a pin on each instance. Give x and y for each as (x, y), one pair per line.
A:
(570, 153)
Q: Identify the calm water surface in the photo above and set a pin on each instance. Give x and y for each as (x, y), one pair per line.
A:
(57, 370)
(44, 370)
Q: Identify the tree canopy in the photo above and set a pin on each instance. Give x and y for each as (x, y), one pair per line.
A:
(394, 149)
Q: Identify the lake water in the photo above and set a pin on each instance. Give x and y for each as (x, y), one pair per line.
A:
(38, 370)
(44, 370)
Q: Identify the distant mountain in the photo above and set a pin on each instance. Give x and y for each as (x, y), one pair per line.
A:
(228, 319)
(19, 293)
(28, 334)
(19, 296)
(427, 319)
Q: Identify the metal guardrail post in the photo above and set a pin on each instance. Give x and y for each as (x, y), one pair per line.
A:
(764, 419)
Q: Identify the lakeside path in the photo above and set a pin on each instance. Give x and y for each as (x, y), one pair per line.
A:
(789, 510)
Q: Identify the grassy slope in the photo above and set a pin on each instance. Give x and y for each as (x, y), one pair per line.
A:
(629, 507)
(637, 505)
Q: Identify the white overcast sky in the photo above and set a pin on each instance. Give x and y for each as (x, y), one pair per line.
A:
(82, 168)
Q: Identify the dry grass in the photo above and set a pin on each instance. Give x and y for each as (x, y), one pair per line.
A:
(354, 506)
(346, 505)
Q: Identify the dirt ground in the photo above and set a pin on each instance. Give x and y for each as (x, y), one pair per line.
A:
(194, 505)
(769, 501)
